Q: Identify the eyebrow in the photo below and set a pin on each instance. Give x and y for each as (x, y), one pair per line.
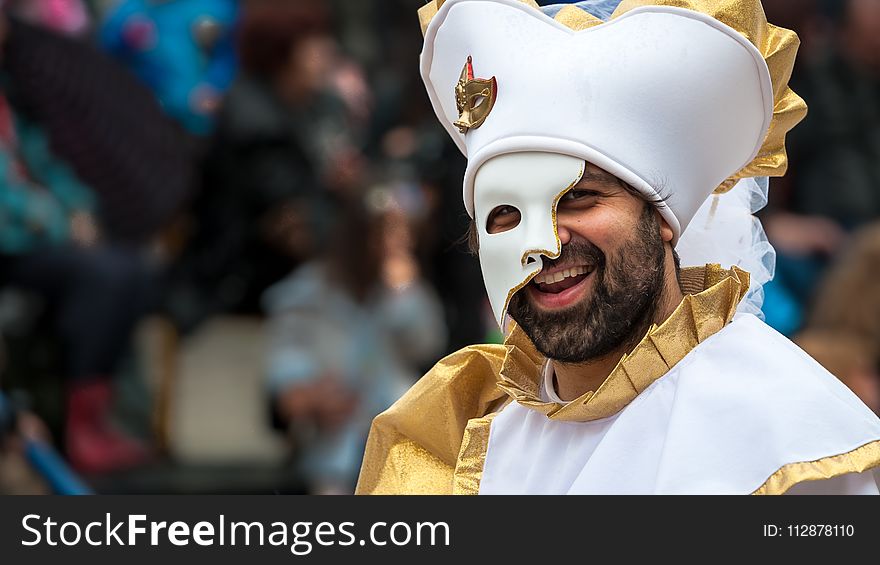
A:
(598, 178)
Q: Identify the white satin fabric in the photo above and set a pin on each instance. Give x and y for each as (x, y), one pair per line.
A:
(736, 409)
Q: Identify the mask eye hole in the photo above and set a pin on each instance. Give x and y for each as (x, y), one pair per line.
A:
(502, 218)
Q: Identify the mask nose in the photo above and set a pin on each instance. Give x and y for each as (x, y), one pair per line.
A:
(540, 240)
(532, 260)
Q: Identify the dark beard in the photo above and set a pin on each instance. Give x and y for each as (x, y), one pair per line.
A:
(623, 304)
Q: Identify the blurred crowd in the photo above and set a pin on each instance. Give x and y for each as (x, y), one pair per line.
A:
(186, 160)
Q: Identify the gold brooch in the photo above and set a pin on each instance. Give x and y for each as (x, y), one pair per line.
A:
(474, 98)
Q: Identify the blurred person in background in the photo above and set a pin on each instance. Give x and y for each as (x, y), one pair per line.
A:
(421, 153)
(849, 357)
(452, 269)
(844, 322)
(348, 333)
(51, 244)
(183, 49)
(403, 134)
(99, 118)
(833, 186)
(285, 148)
(849, 296)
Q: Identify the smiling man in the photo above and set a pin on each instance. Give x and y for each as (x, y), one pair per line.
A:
(605, 139)
(615, 278)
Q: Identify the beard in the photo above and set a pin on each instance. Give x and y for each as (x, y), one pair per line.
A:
(619, 311)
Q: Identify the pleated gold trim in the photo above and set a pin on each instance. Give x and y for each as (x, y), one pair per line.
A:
(698, 317)
(777, 45)
(855, 461)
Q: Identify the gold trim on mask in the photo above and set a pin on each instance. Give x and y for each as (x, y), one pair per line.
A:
(547, 252)
(858, 460)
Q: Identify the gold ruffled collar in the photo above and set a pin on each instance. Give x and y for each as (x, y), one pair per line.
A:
(711, 297)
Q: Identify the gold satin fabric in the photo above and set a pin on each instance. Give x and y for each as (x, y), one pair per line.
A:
(434, 439)
(469, 470)
(777, 45)
(413, 447)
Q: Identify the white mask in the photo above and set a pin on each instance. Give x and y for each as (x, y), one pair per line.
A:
(532, 182)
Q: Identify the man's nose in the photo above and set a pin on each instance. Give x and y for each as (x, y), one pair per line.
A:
(563, 232)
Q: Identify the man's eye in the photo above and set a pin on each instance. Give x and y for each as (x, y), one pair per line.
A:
(578, 195)
(502, 218)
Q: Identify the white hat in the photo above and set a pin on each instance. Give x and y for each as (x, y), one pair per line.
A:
(675, 97)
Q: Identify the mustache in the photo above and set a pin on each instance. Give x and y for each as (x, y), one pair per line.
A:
(578, 252)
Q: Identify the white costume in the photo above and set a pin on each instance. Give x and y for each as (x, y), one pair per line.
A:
(732, 413)
(679, 99)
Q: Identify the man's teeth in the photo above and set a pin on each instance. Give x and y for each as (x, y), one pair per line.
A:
(558, 276)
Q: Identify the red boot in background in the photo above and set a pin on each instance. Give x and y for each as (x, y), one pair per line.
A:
(93, 443)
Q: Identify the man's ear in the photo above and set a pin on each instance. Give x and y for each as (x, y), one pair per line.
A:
(666, 232)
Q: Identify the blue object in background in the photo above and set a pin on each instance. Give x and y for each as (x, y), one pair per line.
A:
(781, 309)
(6, 414)
(41, 456)
(788, 296)
(53, 469)
(183, 49)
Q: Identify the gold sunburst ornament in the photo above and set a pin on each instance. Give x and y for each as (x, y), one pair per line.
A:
(474, 98)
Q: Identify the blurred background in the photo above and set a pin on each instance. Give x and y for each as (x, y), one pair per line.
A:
(231, 233)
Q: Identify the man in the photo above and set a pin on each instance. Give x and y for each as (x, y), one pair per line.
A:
(594, 149)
